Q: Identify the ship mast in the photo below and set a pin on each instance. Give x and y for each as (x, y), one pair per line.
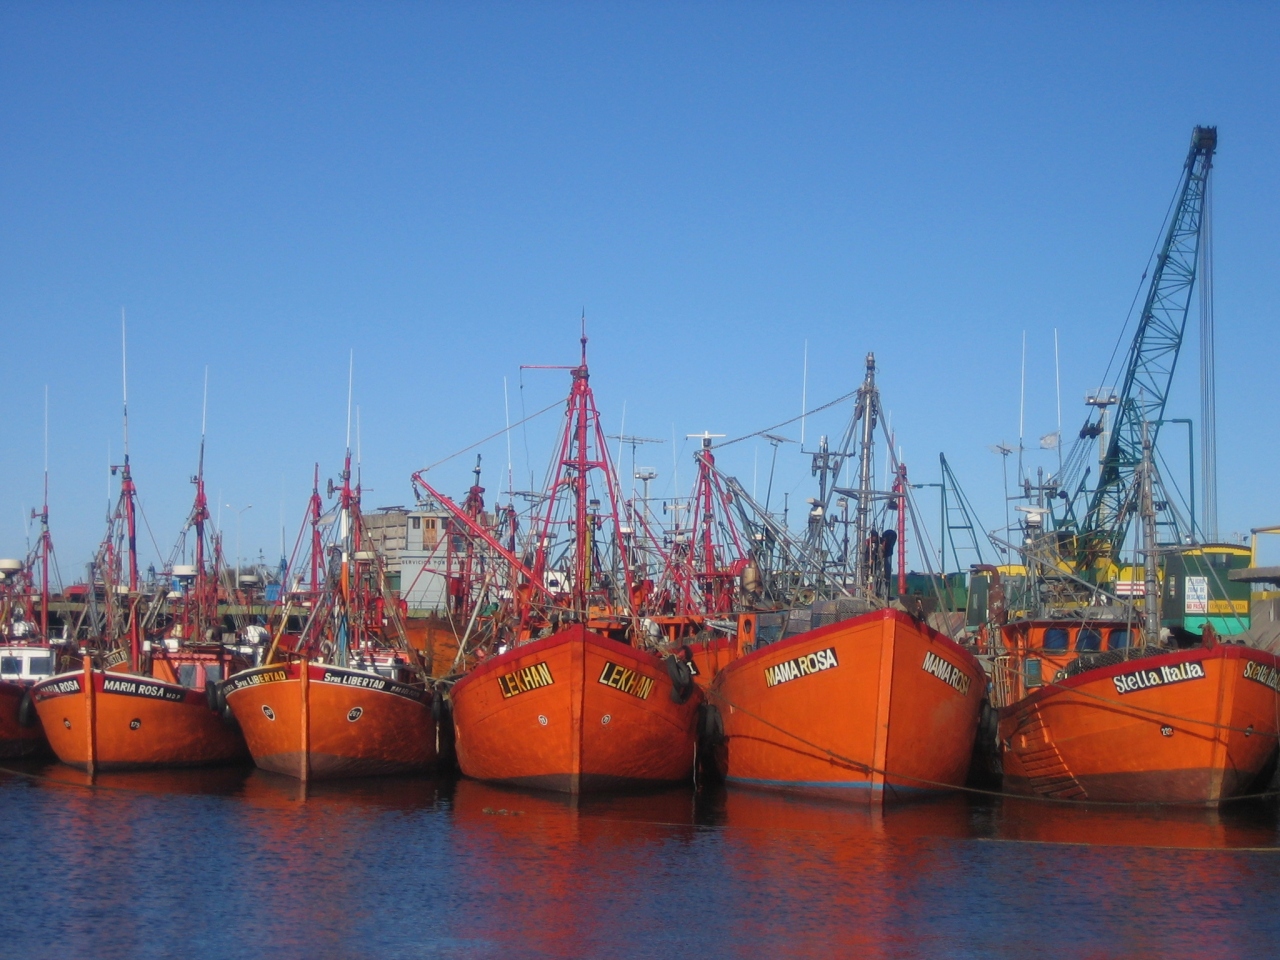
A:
(1151, 586)
(45, 541)
(128, 495)
(867, 411)
(582, 450)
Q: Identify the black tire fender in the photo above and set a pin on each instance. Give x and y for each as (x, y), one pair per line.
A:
(213, 697)
(27, 717)
(439, 709)
(681, 679)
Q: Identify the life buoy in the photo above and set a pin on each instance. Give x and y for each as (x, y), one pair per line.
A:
(27, 711)
(681, 679)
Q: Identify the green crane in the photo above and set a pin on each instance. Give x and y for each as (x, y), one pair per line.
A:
(1100, 529)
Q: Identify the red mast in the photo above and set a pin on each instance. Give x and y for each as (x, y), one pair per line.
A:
(582, 450)
(314, 511)
(45, 546)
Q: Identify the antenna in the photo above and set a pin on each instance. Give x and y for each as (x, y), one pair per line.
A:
(1057, 385)
(506, 406)
(124, 379)
(804, 391)
(351, 372)
(633, 442)
(1022, 402)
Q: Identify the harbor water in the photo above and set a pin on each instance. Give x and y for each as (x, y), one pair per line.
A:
(239, 863)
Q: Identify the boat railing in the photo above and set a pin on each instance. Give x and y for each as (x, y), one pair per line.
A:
(1003, 673)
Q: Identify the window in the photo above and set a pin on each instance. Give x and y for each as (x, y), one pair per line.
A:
(1034, 677)
(417, 523)
(1056, 638)
(187, 675)
(213, 671)
(39, 666)
(11, 666)
(1118, 640)
(1088, 641)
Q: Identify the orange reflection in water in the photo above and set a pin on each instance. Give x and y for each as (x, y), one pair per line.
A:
(241, 862)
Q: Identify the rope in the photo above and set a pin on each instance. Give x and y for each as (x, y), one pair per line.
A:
(977, 791)
(493, 436)
(1160, 713)
(807, 413)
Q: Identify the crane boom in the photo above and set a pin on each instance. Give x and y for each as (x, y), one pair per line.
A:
(1152, 357)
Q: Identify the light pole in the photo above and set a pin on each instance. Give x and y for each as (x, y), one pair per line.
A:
(239, 514)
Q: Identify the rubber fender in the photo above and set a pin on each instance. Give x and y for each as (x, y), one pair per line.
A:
(438, 707)
(710, 726)
(988, 725)
(681, 679)
(213, 696)
(27, 711)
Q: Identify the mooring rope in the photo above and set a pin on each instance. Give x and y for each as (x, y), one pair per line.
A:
(978, 791)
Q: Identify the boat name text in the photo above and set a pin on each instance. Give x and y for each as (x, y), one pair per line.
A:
(253, 679)
(522, 681)
(135, 688)
(628, 681)
(801, 667)
(1143, 679)
(57, 689)
(947, 672)
(1261, 673)
(368, 681)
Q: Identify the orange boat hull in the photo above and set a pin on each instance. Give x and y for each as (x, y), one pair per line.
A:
(345, 723)
(15, 739)
(132, 722)
(869, 708)
(574, 712)
(1192, 726)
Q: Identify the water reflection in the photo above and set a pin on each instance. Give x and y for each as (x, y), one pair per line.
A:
(241, 862)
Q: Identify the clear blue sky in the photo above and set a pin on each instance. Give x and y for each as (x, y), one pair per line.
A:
(444, 188)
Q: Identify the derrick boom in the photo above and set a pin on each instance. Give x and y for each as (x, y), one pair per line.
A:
(1151, 360)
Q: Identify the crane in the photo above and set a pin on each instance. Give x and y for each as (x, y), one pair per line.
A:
(1101, 527)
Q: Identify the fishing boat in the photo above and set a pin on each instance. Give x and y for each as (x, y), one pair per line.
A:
(1101, 703)
(28, 650)
(1097, 715)
(348, 696)
(1101, 696)
(573, 696)
(575, 712)
(136, 702)
(869, 706)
